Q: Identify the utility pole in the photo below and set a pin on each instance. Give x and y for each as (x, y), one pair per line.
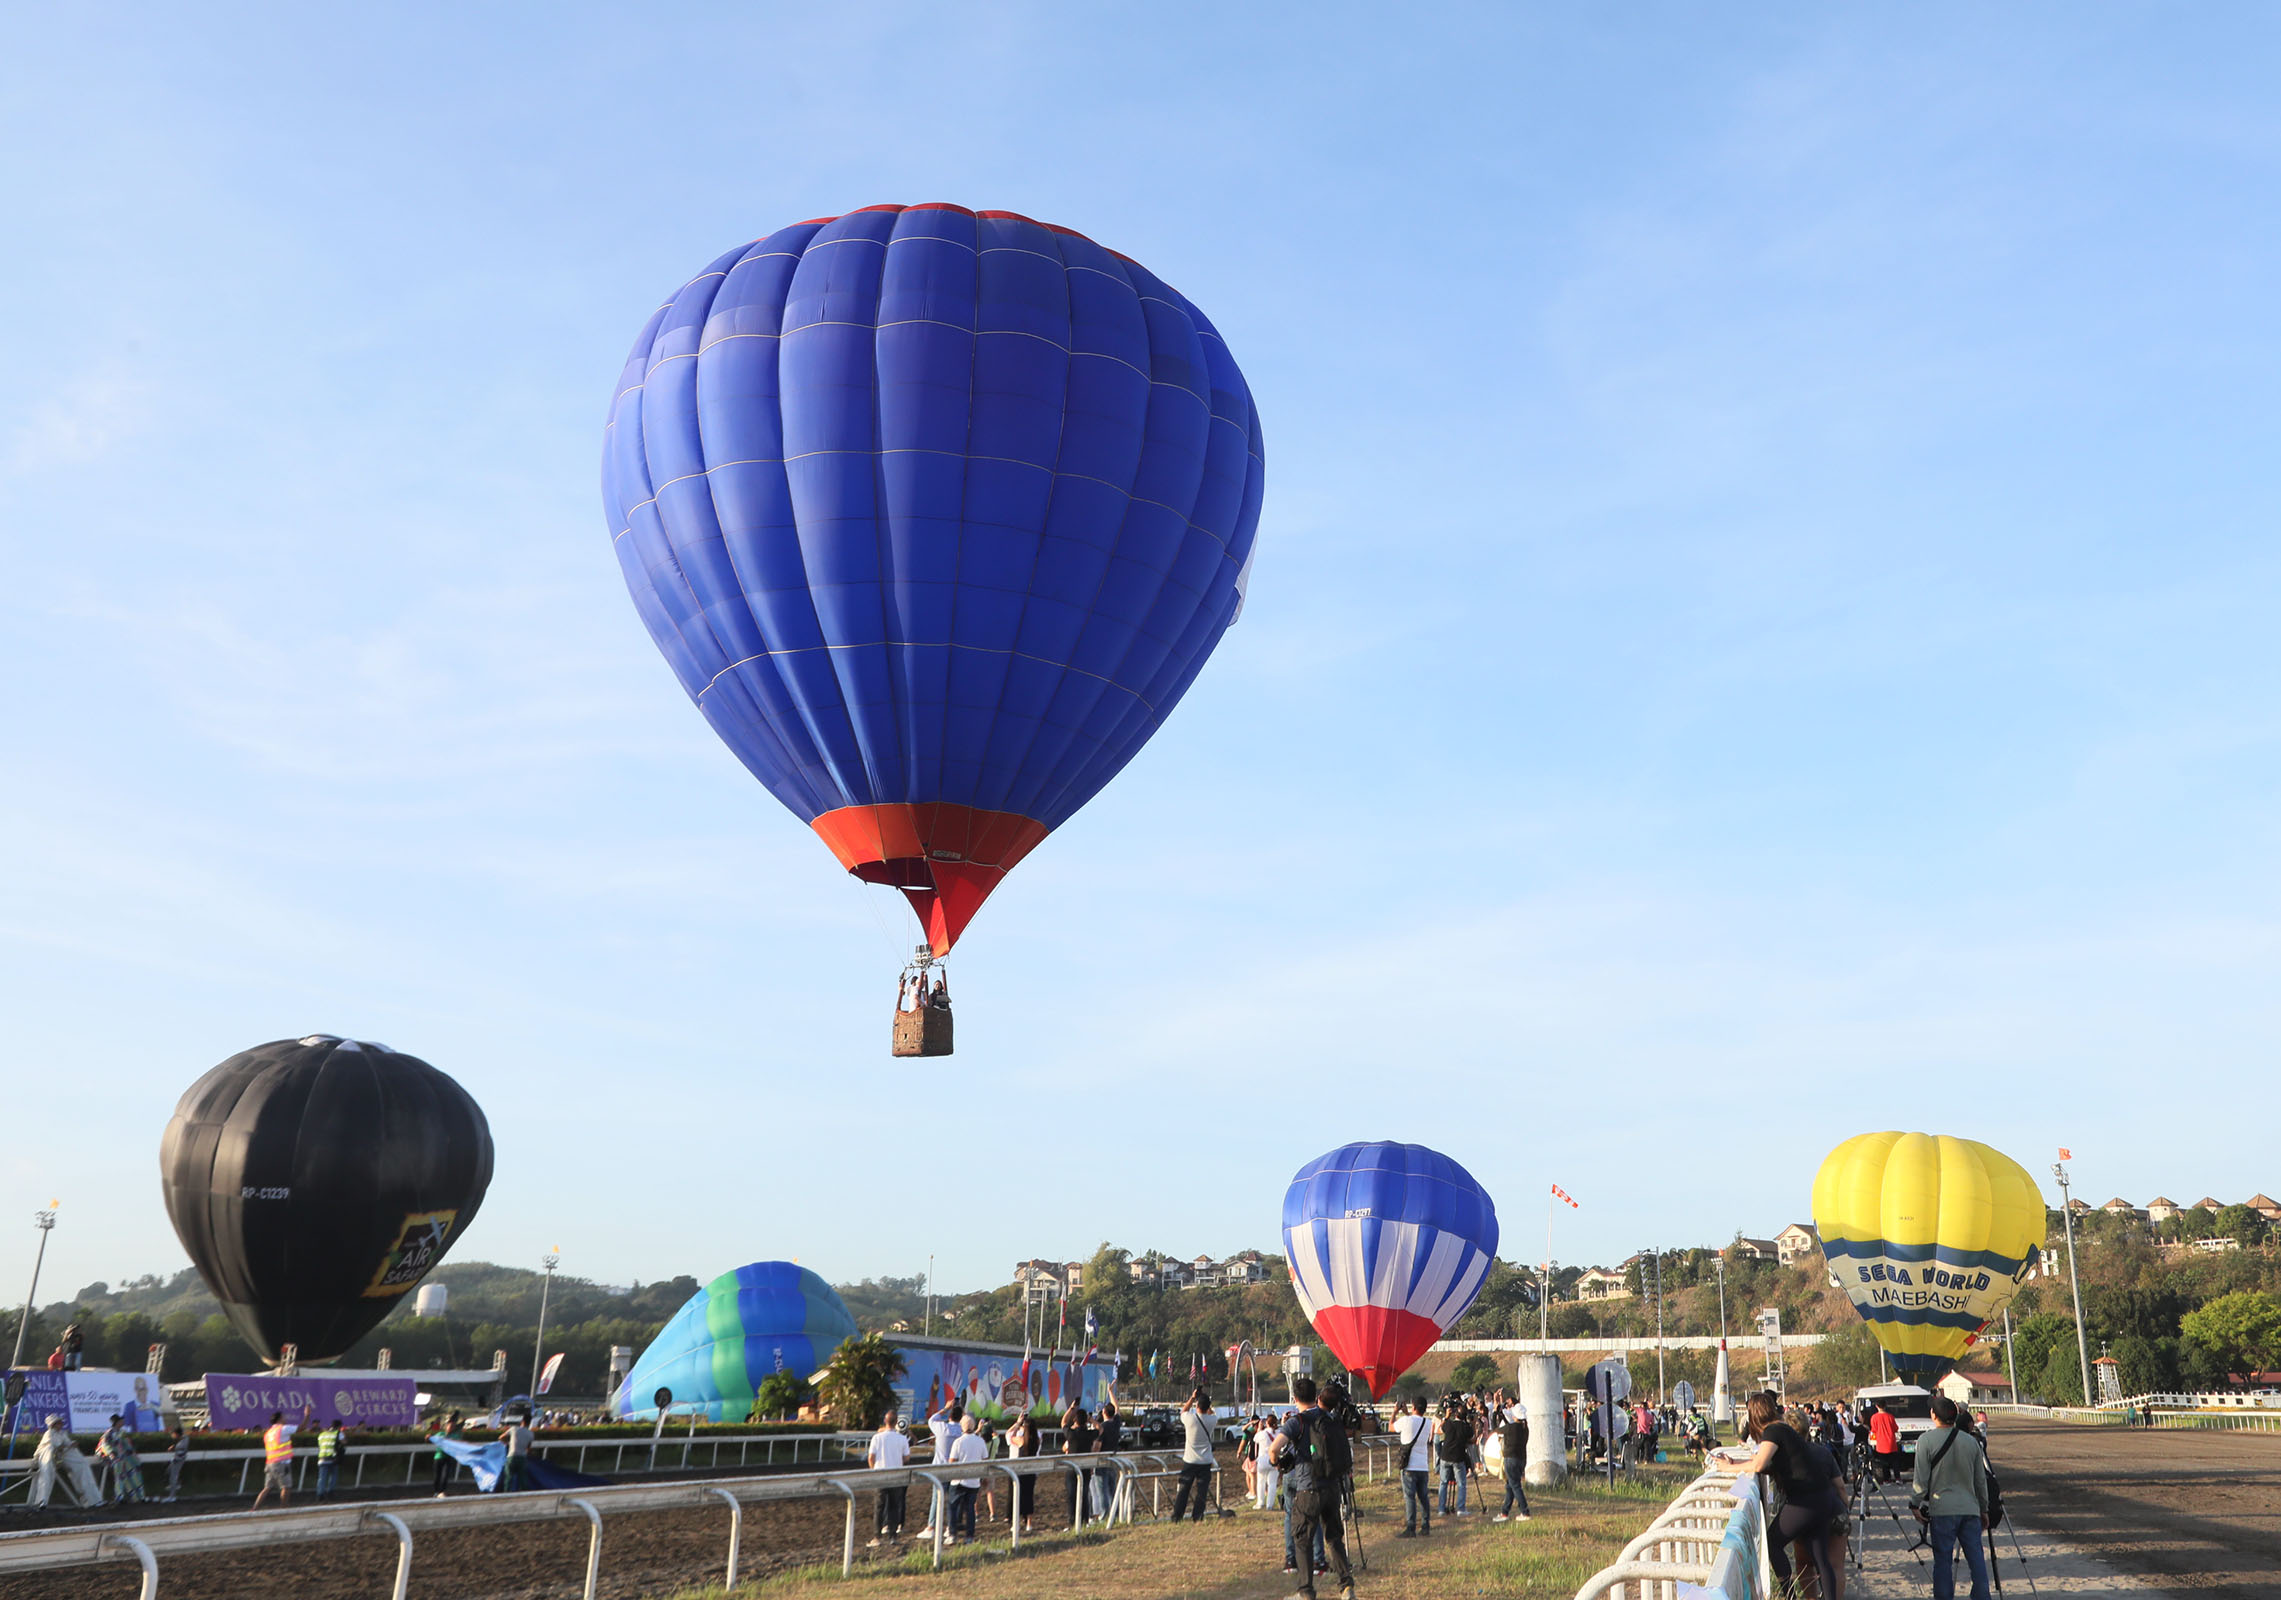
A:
(2011, 1369)
(2074, 1283)
(538, 1345)
(45, 1222)
(930, 1317)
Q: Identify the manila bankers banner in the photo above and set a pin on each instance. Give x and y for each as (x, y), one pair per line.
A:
(87, 1401)
(237, 1401)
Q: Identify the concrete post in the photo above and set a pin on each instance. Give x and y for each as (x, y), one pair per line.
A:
(1537, 1383)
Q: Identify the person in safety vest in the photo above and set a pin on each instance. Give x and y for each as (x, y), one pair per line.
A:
(277, 1457)
(332, 1447)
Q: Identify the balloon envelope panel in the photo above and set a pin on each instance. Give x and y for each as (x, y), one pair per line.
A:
(1388, 1244)
(936, 514)
(1930, 1236)
(766, 1317)
(315, 1181)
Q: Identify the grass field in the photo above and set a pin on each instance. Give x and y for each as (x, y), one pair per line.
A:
(1577, 1529)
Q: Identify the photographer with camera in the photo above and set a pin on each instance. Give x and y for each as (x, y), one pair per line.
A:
(1198, 1465)
(1949, 1493)
(1317, 1463)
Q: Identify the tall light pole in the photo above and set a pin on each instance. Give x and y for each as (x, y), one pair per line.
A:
(1658, 1325)
(2074, 1284)
(2011, 1369)
(928, 1324)
(45, 1222)
(538, 1345)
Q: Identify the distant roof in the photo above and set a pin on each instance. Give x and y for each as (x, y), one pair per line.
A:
(1801, 1227)
(2118, 1203)
(2162, 1200)
(1763, 1244)
(2264, 1200)
(2207, 1204)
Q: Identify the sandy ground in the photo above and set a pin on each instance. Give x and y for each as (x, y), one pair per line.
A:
(2110, 1512)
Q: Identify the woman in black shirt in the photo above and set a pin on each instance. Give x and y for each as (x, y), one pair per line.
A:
(1077, 1439)
(1813, 1512)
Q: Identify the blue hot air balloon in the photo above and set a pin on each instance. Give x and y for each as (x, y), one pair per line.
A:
(936, 514)
(725, 1341)
(1388, 1245)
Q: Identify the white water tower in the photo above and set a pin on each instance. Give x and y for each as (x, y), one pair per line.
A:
(430, 1301)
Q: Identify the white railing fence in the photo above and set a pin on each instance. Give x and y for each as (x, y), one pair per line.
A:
(149, 1542)
(1712, 1534)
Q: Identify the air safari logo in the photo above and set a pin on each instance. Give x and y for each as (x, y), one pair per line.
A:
(419, 1246)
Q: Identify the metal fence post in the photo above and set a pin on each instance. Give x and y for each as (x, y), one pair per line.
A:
(403, 1548)
(128, 1545)
(847, 1545)
(593, 1546)
(736, 1532)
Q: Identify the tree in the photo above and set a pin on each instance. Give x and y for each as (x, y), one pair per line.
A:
(2061, 1382)
(781, 1394)
(859, 1385)
(2239, 1222)
(2146, 1366)
(2033, 1341)
(1844, 1360)
(2238, 1332)
(1476, 1371)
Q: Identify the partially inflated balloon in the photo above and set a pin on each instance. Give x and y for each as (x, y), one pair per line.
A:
(1930, 1237)
(1388, 1245)
(315, 1181)
(768, 1317)
(936, 514)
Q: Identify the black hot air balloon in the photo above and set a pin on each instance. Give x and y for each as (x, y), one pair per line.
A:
(314, 1181)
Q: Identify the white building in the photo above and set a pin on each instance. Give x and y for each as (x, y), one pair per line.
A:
(1796, 1242)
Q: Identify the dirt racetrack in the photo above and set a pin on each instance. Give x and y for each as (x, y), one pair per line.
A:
(643, 1554)
(2197, 1514)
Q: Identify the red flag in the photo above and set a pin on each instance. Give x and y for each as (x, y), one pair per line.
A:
(2066, 1154)
(553, 1366)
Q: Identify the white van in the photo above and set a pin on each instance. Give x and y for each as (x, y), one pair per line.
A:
(1911, 1406)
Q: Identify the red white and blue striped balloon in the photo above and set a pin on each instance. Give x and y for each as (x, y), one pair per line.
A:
(1388, 1244)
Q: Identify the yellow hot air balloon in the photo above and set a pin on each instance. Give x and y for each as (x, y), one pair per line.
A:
(1930, 1237)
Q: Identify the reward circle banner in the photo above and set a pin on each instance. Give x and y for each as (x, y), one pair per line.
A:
(237, 1401)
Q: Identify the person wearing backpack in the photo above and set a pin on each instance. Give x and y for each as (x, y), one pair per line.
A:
(1949, 1493)
(1416, 1432)
(1316, 1460)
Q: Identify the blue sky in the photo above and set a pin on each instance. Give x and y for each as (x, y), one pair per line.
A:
(1762, 630)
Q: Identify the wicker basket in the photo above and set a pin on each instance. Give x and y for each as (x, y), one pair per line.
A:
(924, 1032)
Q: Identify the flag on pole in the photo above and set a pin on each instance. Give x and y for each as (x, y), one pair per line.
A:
(553, 1366)
(1092, 1334)
(1558, 1193)
(2066, 1154)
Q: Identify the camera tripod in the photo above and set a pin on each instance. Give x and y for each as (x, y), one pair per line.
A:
(1864, 1482)
(1351, 1514)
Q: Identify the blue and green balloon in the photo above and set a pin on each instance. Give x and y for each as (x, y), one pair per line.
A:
(744, 1326)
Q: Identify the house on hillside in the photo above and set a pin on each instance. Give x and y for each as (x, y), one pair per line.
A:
(1796, 1242)
(2162, 1208)
(2264, 1206)
(2207, 1204)
(1245, 1266)
(1974, 1388)
(1046, 1280)
(1755, 1250)
(2119, 1207)
(1599, 1283)
(1205, 1273)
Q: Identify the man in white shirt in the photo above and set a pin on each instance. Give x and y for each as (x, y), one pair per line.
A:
(968, 1446)
(1417, 1432)
(944, 1425)
(1198, 1464)
(889, 1448)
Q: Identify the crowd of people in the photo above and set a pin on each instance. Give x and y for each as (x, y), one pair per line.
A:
(1812, 1459)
